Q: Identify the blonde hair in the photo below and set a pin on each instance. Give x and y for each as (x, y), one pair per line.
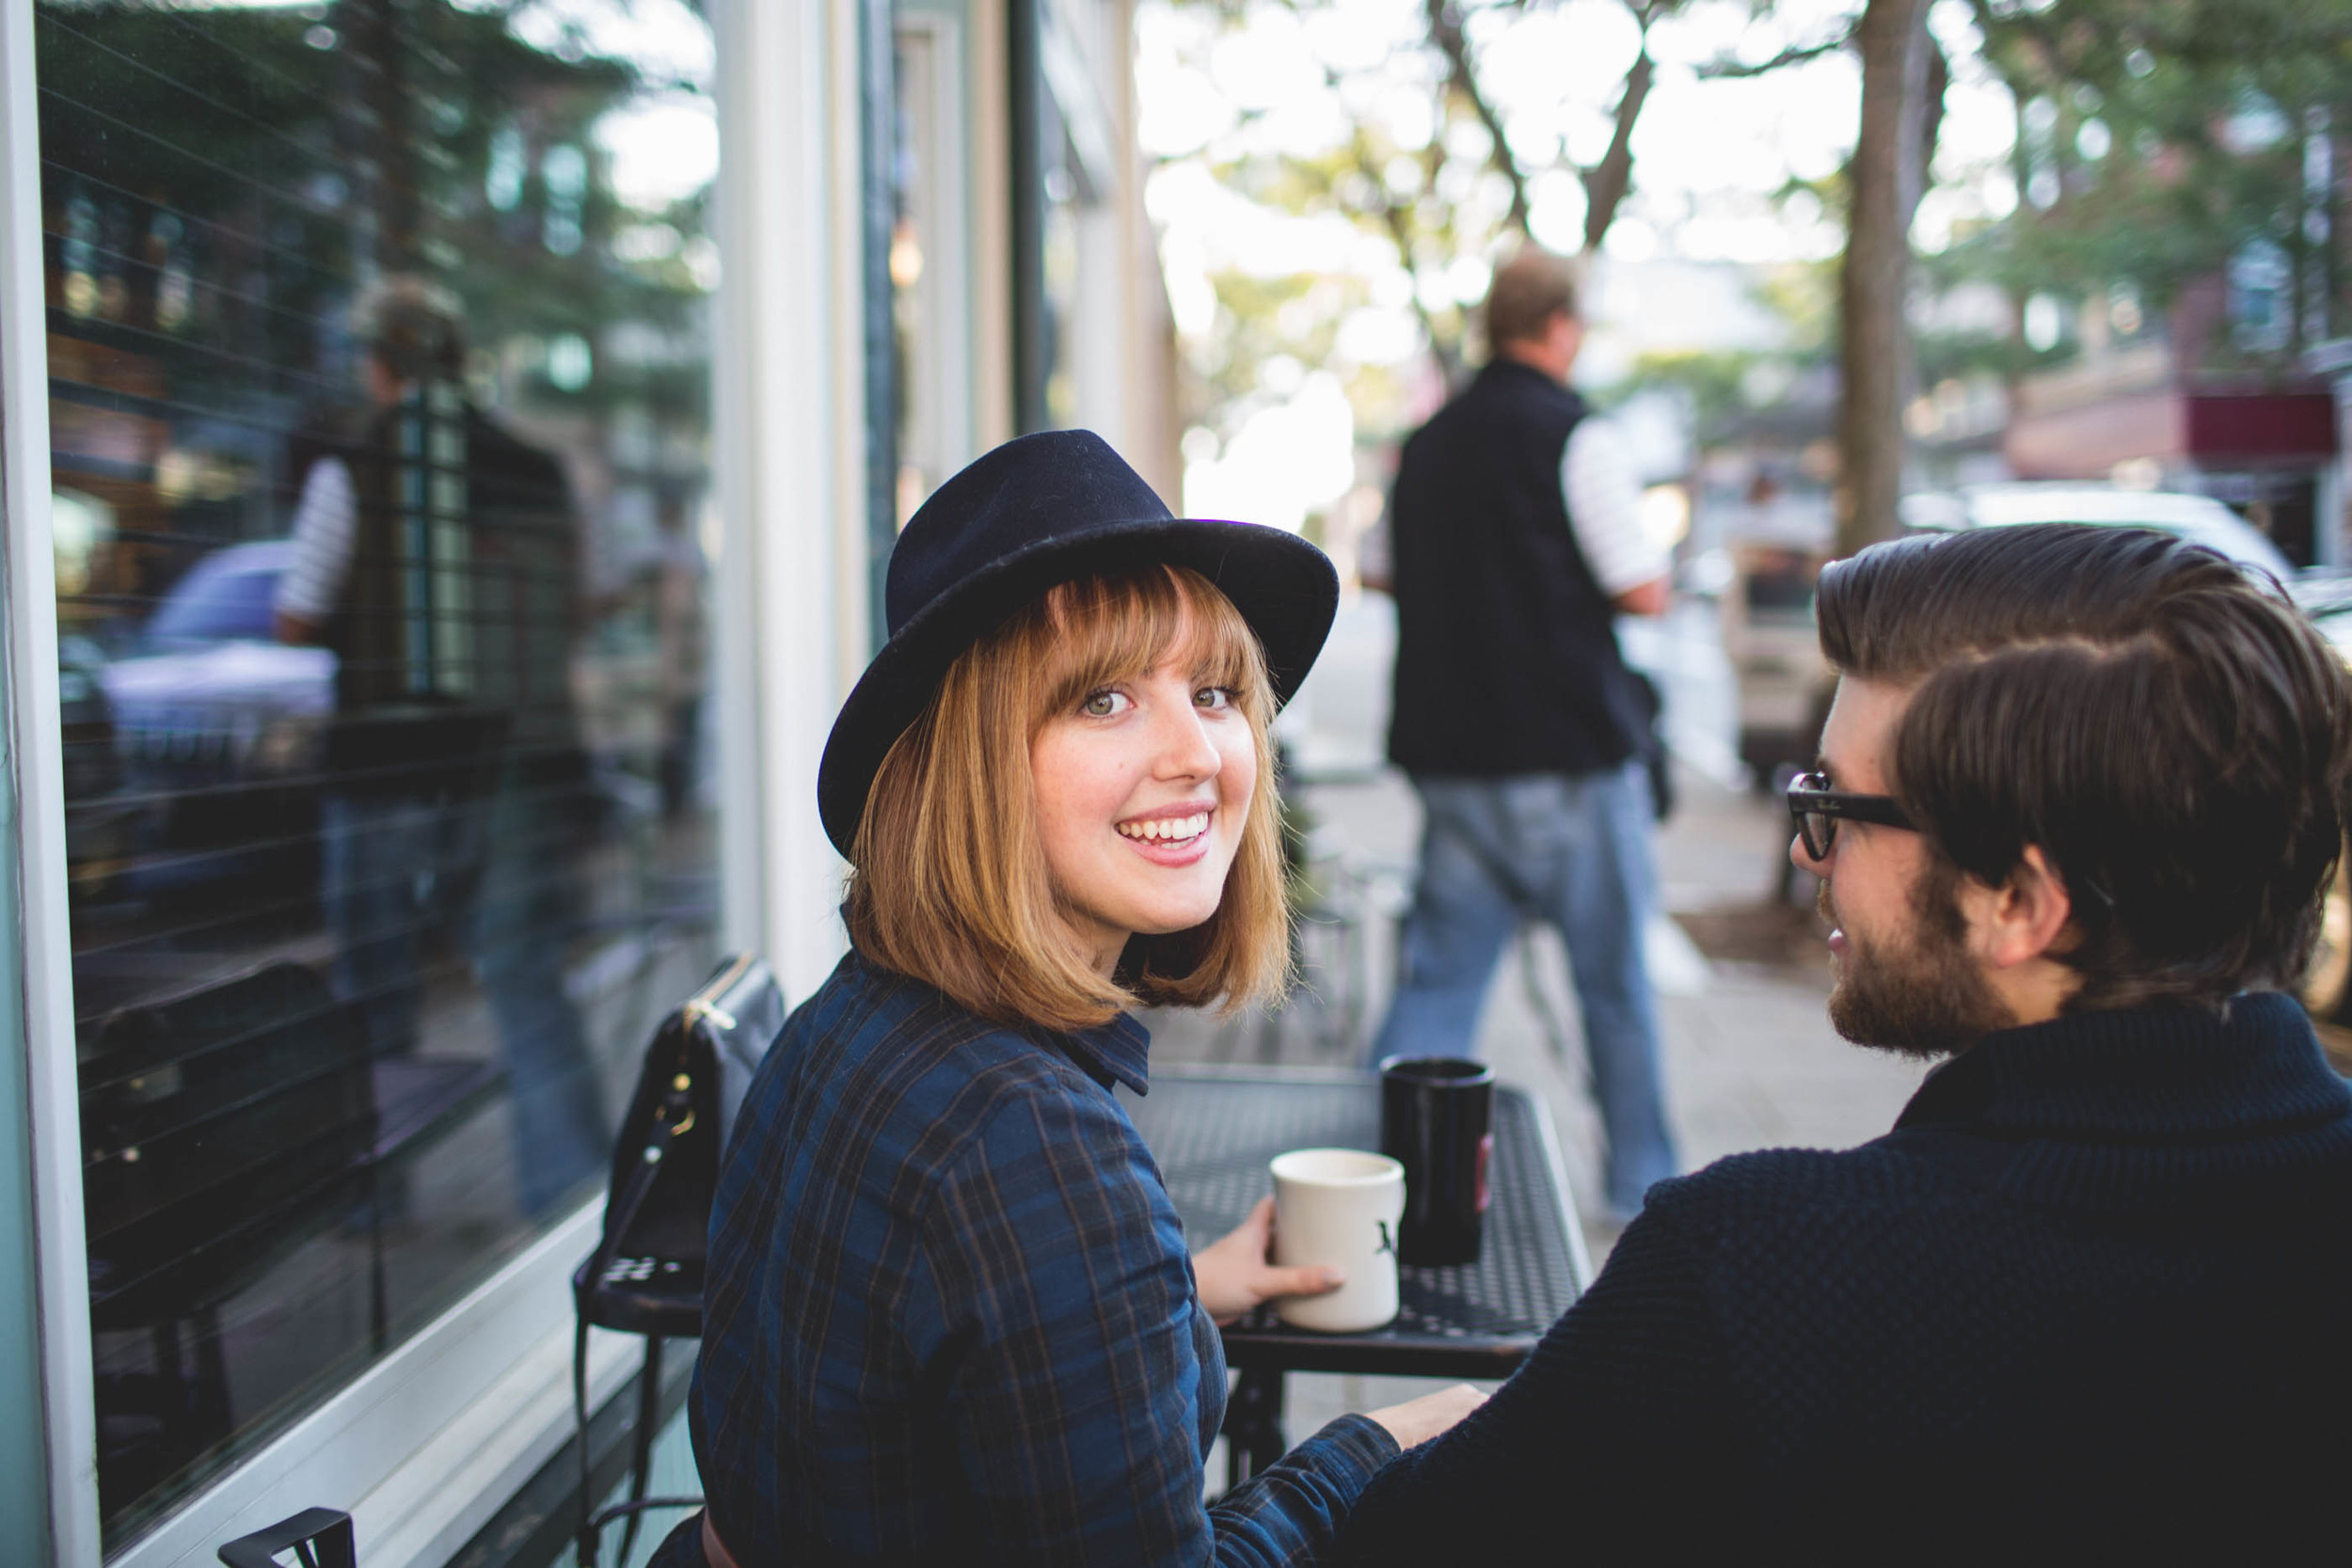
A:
(949, 881)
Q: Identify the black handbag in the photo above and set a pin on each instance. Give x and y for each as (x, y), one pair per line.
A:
(645, 1277)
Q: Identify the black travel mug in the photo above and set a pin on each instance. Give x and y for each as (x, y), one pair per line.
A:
(1435, 1115)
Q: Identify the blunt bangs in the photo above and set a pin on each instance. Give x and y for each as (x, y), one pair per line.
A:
(1100, 630)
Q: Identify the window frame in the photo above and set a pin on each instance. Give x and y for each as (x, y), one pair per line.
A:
(943, 437)
(428, 1443)
(36, 753)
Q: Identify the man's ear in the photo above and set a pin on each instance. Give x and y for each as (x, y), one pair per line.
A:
(2021, 918)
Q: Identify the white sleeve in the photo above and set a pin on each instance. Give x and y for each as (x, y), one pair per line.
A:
(1604, 497)
(313, 583)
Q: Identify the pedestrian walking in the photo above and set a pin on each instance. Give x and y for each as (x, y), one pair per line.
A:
(1517, 542)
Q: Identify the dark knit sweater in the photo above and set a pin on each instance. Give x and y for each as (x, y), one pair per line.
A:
(2091, 1300)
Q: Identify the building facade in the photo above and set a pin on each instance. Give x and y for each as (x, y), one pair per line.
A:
(448, 450)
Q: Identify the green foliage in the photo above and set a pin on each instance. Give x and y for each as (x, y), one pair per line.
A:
(2157, 140)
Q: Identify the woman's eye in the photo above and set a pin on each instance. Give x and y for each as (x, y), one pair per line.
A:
(1213, 697)
(1103, 705)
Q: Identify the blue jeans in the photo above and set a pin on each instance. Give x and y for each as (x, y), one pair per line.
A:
(395, 864)
(1571, 850)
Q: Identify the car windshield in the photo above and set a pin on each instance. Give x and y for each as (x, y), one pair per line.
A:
(217, 606)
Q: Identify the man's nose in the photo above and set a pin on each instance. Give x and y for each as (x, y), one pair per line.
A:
(1802, 858)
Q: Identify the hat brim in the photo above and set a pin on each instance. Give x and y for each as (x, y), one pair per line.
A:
(1283, 587)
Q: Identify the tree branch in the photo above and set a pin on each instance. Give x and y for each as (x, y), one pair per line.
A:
(1396, 218)
(1796, 54)
(1606, 181)
(1445, 31)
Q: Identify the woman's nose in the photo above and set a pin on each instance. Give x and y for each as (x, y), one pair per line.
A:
(1185, 749)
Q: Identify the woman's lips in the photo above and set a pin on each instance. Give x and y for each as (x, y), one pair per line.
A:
(1161, 847)
(1160, 852)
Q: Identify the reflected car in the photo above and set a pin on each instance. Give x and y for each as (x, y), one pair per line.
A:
(218, 725)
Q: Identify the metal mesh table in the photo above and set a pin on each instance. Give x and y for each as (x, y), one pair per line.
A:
(1212, 1135)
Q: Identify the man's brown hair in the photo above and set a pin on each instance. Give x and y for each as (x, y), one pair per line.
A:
(950, 883)
(2164, 725)
(411, 327)
(1528, 291)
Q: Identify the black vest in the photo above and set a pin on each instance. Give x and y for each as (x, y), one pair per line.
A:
(454, 629)
(1506, 659)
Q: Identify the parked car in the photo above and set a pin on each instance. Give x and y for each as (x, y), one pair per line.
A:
(1784, 684)
(1776, 658)
(219, 726)
(2327, 984)
(2200, 519)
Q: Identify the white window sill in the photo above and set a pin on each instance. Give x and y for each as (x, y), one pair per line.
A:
(427, 1445)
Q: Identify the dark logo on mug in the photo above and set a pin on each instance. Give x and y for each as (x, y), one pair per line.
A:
(1386, 1244)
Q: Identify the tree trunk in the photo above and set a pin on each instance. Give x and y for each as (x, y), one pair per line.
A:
(1874, 340)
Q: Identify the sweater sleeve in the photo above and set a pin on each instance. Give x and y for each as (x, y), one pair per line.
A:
(1618, 1438)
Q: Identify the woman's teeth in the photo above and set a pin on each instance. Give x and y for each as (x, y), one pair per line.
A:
(1168, 827)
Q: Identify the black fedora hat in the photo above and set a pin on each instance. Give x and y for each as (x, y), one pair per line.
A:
(1037, 511)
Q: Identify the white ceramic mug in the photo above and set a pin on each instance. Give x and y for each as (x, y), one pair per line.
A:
(1339, 1207)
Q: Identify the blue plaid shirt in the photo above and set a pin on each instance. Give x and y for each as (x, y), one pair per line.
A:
(951, 1316)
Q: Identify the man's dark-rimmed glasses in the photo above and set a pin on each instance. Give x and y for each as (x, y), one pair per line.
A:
(1816, 809)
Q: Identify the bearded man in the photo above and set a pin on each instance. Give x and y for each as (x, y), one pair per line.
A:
(2079, 795)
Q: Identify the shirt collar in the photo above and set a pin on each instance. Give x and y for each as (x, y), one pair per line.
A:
(1118, 1051)
(2147, 1075)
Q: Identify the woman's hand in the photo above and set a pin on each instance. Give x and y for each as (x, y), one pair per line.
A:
(1416, 1421)
(1235, 1275)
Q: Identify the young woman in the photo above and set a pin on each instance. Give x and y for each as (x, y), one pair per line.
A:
(951, 1316)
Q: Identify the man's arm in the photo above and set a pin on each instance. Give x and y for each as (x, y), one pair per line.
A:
(1649, 599)
(1604, 500)
(1620, 1436)
(313, 581)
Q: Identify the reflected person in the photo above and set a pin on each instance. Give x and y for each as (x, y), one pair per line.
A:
(435, 554)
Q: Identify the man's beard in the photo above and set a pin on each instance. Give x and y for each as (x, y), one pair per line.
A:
(1915, 992)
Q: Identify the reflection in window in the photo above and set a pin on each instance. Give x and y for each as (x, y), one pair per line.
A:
(379, 351)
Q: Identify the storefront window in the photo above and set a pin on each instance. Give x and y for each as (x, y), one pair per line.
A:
(378, 349)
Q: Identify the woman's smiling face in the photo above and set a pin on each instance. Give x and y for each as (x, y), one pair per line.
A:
(1143, 786)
